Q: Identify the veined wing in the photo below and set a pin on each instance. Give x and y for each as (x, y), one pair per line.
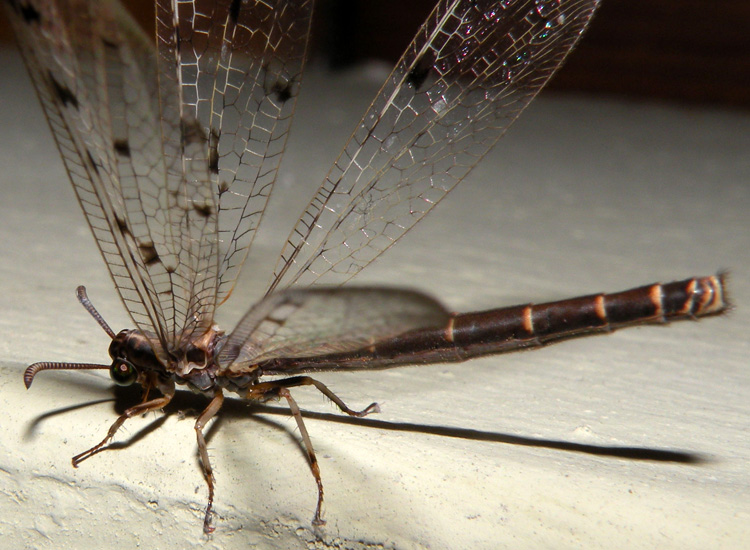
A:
(234, 87)
(316, 321)
(468, 74)
(160, 144)
(79, 54)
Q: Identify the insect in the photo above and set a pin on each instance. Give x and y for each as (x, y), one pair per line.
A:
(173, 151)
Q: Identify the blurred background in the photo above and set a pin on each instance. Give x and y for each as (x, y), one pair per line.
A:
(689, 51)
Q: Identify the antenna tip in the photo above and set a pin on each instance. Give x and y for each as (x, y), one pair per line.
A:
(28, 375)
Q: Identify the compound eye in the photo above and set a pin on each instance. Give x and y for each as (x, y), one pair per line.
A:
(123, 373)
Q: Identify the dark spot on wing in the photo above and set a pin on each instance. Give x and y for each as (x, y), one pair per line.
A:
(28, 12)
(278, 84)
(419, 73)
(223, 187)
(92, 163)
(122, 147)
(283, 92)
(170, 269)
(213, 152)
(204, 210)
(234, 11)
(192, 132)
(122, 225)
(109, 44)
(62, 92)
(148, 253)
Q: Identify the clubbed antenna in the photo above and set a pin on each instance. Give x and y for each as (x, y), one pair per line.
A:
(85, 302)
(28, 376)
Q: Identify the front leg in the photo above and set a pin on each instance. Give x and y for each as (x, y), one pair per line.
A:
(141, 408)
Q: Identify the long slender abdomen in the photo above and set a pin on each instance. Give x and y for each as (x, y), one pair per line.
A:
(506, 329)
(521, 326)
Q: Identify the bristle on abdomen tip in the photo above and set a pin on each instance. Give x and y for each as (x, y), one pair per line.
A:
(711, 295)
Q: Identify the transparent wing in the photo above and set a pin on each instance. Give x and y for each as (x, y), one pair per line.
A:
(234, 88)
(228, 76)
(468, 74)
(172, 150)
(79, 55)
(311, 322)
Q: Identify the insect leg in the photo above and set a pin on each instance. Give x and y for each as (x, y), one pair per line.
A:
(208, 471)
(312, 459)
(265, 389)
(146, 389)
(141, 408)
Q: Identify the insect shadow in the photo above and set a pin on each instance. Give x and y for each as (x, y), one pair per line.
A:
(189, 404)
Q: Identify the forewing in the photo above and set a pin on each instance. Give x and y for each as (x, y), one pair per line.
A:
(235, 86)
(468, 74)
(162, 143)
(317, 321)
(256, 93)
(82, 56)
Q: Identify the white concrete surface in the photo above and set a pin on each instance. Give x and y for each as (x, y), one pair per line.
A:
(583, 195)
